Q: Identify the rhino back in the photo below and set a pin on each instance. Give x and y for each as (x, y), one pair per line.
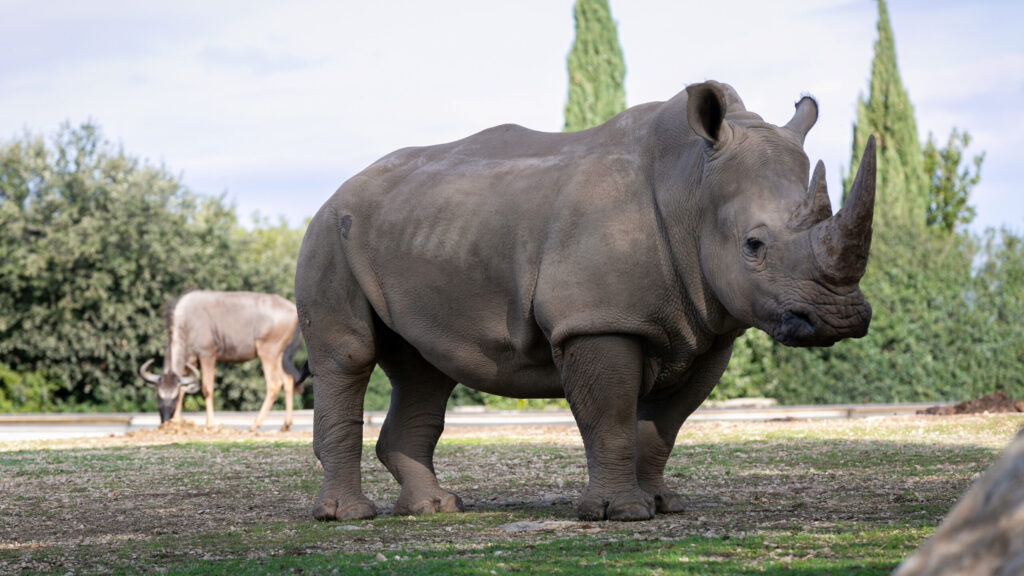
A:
(450, 242)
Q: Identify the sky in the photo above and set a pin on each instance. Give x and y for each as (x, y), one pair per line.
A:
(275, 104)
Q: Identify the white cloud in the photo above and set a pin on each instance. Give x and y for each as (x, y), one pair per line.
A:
(271, 100)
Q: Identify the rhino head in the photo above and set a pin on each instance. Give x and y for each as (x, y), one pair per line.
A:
(771, 249)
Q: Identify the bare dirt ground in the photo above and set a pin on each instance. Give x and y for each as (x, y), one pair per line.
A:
(183, 491)
(996, 402)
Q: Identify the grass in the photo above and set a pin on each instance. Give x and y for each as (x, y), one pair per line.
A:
(865, 553)
(763, 498)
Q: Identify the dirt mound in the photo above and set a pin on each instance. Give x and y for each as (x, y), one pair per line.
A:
(998, 401)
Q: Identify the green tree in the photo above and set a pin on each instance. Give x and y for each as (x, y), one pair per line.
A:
(998, 301)
(92, 243)
(267, 253)
(27, 392)
(949, 187)
(922, 330)
(596, 68)
(888, 114)
(943, 300)
(752, 371)
(894, 283)
(911, 277)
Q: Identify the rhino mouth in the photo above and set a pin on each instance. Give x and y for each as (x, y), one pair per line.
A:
(795, 326)
(802, 328)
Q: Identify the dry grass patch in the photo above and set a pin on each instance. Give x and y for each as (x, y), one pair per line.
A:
(160, 498)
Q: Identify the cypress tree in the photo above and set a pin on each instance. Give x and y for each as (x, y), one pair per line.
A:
(942, 328)
(949, 187)
(596, 68)
(902, 193)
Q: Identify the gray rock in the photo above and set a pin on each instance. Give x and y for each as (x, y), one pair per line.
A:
(984, 533)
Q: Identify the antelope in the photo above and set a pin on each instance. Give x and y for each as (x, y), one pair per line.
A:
(206, 327)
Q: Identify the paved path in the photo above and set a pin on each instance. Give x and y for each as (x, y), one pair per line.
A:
(52, 426)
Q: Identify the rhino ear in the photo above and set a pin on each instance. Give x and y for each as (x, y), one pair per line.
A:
(705, 111)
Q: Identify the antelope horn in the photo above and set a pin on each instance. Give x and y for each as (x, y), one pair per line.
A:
(190, 384)
(146, 375)
(842, 242)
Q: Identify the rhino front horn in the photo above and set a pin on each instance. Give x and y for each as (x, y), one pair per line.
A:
(841, 243)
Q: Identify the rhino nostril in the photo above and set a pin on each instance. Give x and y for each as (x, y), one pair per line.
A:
(797, 323)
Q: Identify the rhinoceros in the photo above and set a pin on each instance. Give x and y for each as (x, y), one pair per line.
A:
(613, 267)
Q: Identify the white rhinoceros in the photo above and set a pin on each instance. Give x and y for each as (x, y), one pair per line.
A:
(613, 266)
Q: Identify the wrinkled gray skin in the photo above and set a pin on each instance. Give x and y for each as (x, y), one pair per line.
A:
(613, 267)
(233, 327)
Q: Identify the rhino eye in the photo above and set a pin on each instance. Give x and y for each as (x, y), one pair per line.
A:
(753, 246)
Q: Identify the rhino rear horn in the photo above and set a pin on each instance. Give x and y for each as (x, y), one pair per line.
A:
(820, 205)
(842, 242)
(816, 206)
(804, 118)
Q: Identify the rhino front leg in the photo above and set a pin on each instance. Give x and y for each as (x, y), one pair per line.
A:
(415, 420)
(661, 413)
(601, 376)
(656, 434)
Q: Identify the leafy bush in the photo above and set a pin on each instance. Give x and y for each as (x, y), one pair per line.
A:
(946, 326)
(93, 243)
(28, 392)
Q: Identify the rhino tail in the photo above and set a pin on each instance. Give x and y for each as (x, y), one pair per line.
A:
(300, 385)
(288, 363)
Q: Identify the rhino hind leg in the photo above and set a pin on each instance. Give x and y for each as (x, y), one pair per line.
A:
(600, 375)
(338, 324)
(342, 357)
(337, 443)
(415, 420)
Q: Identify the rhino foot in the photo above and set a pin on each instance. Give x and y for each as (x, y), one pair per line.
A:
(441, 501)
(668, 502)
(622, 507)
(343, 509)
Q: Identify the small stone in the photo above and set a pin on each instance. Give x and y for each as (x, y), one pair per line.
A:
(535, 526)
